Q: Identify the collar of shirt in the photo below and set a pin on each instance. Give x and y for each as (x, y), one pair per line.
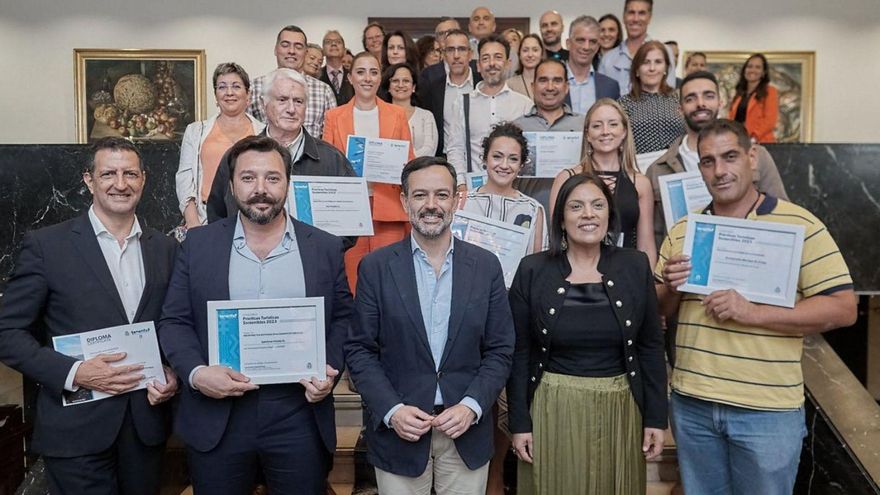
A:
(571, 79)
(99, 227)
(468, 80)
(622, 51)
(288, 241)
(566, 110)
(414, 244)
(295, 147)
(478, 91)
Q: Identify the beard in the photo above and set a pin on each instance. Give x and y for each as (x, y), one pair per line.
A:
(430, 231)
(256, 216)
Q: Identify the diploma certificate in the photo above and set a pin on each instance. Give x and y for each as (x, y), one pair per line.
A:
(681, 194)
(761, 260)
(377, 159)
(138, 341)
(339, 205)
(509, 242)
(551, 152)
(269, 340)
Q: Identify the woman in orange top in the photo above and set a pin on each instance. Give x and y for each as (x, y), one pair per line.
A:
(757, 102)
(366, 115)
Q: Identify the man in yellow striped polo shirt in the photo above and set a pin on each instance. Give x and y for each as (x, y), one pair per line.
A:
(738, 395)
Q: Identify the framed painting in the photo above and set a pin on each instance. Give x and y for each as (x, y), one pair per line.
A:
(137, 94)
(793, 75)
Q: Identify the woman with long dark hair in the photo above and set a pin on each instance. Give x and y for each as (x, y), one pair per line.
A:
(756, 104)
(531, 52)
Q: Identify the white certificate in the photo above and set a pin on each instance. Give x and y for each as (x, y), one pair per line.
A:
(339, 205)
(378, 159)
(137, 341)
(681, 194)
(644, 160)
(552, 152)
(473, 180)
(761, 260)
(508, 241)
(269, 340)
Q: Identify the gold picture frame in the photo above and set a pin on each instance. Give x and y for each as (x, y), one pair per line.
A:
(792, 73)
(146, 95)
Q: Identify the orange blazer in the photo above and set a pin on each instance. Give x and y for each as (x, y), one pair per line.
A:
(761, 117)
(393, 124)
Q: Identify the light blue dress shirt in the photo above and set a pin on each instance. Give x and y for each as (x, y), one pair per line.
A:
(435, 301)
(617, 64)
(278, 276)
(583, 94)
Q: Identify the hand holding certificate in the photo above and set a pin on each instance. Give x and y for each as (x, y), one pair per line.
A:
(378, 159)
(760, 260)
(269, 340)
(509, 242)
(131, 350)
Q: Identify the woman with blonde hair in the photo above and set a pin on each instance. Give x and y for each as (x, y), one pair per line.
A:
(609, 153)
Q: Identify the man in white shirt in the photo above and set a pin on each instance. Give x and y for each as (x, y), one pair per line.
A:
(474, 114)
(617, 62)
(101, 269)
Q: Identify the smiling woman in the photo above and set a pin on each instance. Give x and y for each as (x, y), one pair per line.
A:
(205, 142)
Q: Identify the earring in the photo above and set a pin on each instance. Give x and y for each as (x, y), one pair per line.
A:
(564, 243)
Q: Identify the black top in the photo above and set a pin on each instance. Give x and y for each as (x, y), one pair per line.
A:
(562, 54)
(742, 108)
(587, 340)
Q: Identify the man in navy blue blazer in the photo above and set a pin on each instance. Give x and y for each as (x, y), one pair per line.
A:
(585, 84)
(430, 346)
(234, 429)
(101, 269)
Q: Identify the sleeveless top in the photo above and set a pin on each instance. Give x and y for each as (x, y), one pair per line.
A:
(626, 203)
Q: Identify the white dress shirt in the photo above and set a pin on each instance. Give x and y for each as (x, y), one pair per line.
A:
(423, 129)
(452, 94)
(485, 111)
(126, 265)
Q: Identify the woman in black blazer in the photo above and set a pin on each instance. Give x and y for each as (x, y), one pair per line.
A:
(587, 393)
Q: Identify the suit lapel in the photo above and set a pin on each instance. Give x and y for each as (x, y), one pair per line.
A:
(87, 244)
(148, 255)
(463, 271)
(308, 255)
(219, 281)
(404, 273)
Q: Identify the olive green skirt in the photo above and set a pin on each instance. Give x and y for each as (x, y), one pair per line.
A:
(587, 435)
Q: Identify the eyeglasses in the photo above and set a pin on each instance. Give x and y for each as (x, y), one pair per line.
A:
(333, 42)
(449, 50)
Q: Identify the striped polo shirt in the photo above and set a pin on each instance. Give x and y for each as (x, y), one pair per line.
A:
(745, 366)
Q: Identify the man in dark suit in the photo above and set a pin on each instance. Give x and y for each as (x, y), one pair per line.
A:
(431, 346)
(440, 84)
(333, 73)
(585, 85)
(101, 269)
(234, 429)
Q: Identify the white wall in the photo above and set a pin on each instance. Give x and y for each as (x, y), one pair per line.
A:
(37, 38)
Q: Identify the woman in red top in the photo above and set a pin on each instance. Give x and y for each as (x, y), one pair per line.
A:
(757, 102)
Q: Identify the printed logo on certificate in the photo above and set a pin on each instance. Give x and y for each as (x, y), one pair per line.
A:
(551, 153)
(681, 194)
(269, 340)
(475, 180)
(761, 260)
(138, 341)
(339, 205)
(509, 242)
(377, 159)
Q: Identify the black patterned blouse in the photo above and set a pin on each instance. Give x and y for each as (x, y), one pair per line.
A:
(655, 120)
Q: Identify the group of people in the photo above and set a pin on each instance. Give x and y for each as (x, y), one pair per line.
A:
(567, 366)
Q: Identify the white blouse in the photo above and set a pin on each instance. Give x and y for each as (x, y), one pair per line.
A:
(424, 132)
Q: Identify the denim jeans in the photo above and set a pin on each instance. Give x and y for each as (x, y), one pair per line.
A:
(728, 450)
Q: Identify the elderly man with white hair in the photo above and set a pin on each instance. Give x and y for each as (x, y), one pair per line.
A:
(284, 96)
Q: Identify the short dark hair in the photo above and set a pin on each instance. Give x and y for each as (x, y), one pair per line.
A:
(700, 74)
(493, 38)
(671, 42)
(112, 143)
(508, 130)
(558, 218)
(649, 2)
(458, 32)
(423, 162)
(260, 144)
(367, 28)
(385, 87)
(721, 126)
(232, 68)
(292, 29)
(548, 61)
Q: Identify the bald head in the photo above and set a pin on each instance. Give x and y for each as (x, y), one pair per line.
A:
(482, 22)
(551, 30)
